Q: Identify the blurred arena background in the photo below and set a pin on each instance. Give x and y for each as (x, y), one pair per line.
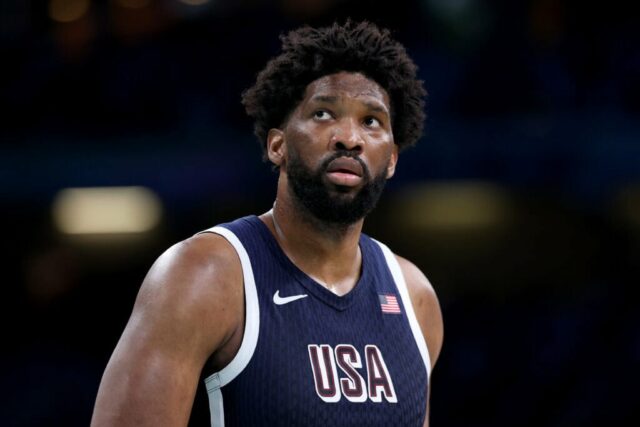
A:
(122, 133)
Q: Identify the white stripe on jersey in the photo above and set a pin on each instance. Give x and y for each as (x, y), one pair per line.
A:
(398, 277)
(250, 337)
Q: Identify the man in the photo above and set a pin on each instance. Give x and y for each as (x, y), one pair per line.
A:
(295, 317)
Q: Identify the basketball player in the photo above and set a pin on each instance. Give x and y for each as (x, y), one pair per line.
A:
(295, 317)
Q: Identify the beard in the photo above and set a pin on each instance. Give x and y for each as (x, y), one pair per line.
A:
(330, 203)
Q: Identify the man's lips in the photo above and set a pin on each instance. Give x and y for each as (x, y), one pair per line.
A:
(346, 165)
(345, 171)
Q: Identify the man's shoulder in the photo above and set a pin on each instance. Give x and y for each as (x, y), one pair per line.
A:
(416, 280)
(204, 254)
(194, 272)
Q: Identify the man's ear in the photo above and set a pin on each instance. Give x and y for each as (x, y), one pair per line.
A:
(276, 148)
(391, 169)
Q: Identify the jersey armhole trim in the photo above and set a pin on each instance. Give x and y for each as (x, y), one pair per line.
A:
(398, 277)
(252, 317)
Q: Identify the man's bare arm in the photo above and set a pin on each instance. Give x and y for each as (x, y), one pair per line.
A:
(427, 308)
(190, 305)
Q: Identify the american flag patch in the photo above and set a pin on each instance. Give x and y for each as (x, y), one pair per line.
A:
(389, 304)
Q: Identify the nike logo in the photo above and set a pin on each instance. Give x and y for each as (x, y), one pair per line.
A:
(278, 300)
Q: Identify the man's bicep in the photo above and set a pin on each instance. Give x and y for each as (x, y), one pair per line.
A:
(148, 381)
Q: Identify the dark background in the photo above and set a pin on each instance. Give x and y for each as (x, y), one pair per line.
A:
(521, 203)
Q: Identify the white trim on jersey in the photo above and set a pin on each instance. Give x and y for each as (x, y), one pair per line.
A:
(250, 337)
(398, 277)
(216, 406)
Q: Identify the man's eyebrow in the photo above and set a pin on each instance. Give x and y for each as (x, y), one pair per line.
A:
(378, 108)
(373, 106)
(325, 98)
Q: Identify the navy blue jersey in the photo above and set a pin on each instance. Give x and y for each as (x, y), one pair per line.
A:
(312, 358)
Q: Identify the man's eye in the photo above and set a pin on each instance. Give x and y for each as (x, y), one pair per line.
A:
(372, 122)
(321, 115)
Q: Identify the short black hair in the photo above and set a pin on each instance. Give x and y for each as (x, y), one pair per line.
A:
(310, 53)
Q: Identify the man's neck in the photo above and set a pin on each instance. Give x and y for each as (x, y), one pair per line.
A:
(328, 253)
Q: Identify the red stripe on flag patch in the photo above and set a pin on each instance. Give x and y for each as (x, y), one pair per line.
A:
(389, 304)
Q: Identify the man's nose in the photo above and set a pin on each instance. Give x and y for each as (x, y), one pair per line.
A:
(347, 136)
